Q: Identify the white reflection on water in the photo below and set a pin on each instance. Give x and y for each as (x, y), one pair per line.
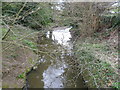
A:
(62, 36)
(52, 77)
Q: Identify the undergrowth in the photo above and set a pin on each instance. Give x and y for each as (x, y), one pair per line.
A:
(97, 72)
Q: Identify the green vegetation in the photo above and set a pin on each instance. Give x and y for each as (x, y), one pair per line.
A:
(21, 76)
(94, 63)
(34, 15)
(21, 23)
(30, 44)
(18, 48)
(94, 31)
(116, 85)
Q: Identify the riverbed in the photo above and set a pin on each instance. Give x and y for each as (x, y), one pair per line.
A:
(57, 66)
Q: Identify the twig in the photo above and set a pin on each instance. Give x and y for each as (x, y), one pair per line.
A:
(9, 28)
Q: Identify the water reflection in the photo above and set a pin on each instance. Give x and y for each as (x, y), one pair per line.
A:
(54, 70)
(62, 36)
(52, 77)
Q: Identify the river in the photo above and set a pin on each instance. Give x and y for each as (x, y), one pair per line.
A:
(57, 65)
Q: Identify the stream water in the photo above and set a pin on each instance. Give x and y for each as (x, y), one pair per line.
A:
(57, 65)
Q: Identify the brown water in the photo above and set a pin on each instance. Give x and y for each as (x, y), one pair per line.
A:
(58, 67)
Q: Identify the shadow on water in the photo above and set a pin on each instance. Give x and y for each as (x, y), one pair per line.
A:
(57, 68)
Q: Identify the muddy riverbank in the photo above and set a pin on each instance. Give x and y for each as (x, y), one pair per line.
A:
(18, 58)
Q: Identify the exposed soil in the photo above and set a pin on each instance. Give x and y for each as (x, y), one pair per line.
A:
(16, 60)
